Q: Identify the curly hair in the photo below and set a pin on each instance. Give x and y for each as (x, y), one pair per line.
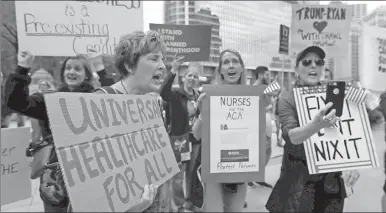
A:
(220, 77)
(132, 46)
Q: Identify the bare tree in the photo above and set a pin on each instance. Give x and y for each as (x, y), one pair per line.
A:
(13, 36)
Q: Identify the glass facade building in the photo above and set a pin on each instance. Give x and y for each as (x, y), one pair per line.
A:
(251, 27)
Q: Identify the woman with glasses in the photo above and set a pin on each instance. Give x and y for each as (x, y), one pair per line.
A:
(297, 190)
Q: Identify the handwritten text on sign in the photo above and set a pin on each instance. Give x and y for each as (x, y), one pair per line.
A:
(109, 147)
(344, 147)
(234, 134)
(190, 41)
(323, 26)
(15, 181)
(73, 27)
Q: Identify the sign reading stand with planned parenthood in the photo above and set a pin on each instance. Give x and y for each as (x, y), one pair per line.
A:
(190, 41)
(109, 147)
(347, 146)
(68, 28)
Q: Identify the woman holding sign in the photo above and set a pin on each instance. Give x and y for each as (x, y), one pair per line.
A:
(76, 76)
(297, 190)
(183, 112)
(139, 59)
(226, 197)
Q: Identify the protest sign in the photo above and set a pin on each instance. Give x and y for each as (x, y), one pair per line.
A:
(191, 41)
(233, 137)
(284, 40)
(347, 146)
(373, 58)
(109, 147)
(326, 26)
(67, 28)
(15, 169)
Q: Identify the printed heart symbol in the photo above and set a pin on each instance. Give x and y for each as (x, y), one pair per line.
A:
(320, 26)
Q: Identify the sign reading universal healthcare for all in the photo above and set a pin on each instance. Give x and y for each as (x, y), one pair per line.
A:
(68, 28)
(326, 26)
(191, 41)
(109, 147)
(349, 145)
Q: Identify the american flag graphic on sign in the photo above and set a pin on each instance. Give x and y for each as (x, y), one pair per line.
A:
(356, 95)
(275, 86)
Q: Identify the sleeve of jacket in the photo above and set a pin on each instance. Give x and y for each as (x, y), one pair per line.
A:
(166, 91)
(103, 79)
(17, 96)
(287, 115)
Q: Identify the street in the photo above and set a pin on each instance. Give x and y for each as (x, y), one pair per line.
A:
(366, 198)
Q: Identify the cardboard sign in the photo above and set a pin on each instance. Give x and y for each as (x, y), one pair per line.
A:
(68, 28)
(284, 39)
(15, 169)
(347, 146)
(326, 26)
(191, 41)
(233, 140)
(109, 147)
(373, 58)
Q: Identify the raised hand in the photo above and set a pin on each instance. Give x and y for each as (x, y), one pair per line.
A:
(176, 64)
(25, 59)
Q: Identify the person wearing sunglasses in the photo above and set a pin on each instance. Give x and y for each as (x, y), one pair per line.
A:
(297, 190)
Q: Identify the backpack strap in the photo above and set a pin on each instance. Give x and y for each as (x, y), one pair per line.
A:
(107, 90)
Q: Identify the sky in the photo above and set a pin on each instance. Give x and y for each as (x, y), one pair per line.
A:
(153, 10)
(371, 5)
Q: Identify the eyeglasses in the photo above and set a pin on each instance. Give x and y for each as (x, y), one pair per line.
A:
(318, 63)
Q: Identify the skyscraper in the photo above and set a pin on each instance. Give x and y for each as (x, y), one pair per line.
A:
(377, 17)
(185, 12)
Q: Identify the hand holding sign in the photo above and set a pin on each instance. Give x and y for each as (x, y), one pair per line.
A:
(148, 196)
(176, 64)
(322, 121)
(350, 177)
(95, 60)
(200, 100)
(25, 59)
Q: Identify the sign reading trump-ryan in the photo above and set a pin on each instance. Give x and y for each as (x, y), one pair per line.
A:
(190, 41)
(326, 26)
(109, 147)
(346, 146)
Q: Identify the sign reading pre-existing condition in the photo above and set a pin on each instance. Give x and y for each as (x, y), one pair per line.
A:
(68, 28)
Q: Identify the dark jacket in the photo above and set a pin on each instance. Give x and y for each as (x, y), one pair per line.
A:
(176, 109)
(382, 108)
(297, 190)
(17, 98)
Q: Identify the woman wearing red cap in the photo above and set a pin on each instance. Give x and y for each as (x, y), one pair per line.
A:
(297, 190)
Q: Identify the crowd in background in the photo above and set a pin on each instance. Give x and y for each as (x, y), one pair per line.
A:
(139, 59)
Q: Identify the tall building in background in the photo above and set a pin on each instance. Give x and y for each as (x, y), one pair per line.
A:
(186, 12)
(359, 12)
(377, 17)
(251, 27)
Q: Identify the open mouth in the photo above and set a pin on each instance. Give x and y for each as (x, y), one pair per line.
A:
(157, 76)
(313, 74)
(231, 73)
(72, 77)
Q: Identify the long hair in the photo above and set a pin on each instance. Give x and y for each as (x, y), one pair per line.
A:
(86, 67)
(219, 79)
